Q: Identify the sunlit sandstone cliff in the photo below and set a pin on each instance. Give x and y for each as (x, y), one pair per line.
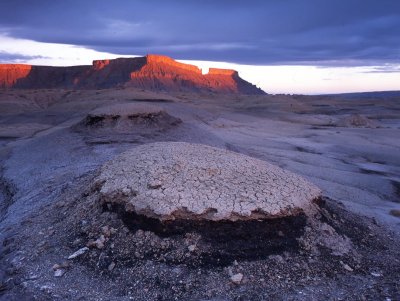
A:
(152, 72)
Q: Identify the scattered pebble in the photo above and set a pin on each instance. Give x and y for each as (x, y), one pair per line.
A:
(192, 248)
(77, 242)
(346, 266)
(42, 243)
(60, 266)
(59, 273)
(376, 274)
(106, 231)
(237, 278)
(276, 258)
(45, 288)
(98, 243)
(78, 253)
(32, 277)
(111, 266)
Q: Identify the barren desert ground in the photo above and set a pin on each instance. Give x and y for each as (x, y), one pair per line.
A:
(52, 145)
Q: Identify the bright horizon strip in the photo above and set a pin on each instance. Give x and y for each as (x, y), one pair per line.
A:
(283, 79)
(297, 79)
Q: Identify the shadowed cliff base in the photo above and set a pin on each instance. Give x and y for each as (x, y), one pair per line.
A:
(216, 243)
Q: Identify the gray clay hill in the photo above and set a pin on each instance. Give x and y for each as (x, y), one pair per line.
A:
(183, 180)
(123, 194)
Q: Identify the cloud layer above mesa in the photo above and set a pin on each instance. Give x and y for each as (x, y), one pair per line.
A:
(317, 32)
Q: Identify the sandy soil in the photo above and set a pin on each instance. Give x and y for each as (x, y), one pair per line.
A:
(46, 213)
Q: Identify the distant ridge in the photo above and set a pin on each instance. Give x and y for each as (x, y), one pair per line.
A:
(373, 94)
(151, 72)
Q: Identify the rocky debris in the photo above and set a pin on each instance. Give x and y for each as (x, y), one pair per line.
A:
(78, 253)
(177, 180)
(98, 243)
(151, 265)
(111, 266)
(59, 273)
(105, 234)
(346, 267)
(194, 243)
(63, 265)
(376, 274)
(276, 258)
(237, 278)
(356, 120)
(106, 231)
(319, 234)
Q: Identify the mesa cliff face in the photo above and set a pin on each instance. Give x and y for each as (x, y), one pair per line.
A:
(152, 72)
(11, 73)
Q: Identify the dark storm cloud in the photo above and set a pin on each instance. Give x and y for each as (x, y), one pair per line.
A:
(253, 32)
(6, 57)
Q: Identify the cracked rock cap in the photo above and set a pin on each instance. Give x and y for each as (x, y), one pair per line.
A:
(134, 120)
(176, 180)
(126, 109)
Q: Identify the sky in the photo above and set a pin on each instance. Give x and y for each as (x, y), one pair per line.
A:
(282, 46)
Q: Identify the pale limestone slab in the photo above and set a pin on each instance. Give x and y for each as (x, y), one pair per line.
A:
(192, 181)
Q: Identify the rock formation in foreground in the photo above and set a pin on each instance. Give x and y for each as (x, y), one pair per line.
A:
(126, 122)
(177, 180)
(152, 72)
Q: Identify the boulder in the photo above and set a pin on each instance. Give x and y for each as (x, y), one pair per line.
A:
(176, 180)
(121, 122)
(356, 120)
